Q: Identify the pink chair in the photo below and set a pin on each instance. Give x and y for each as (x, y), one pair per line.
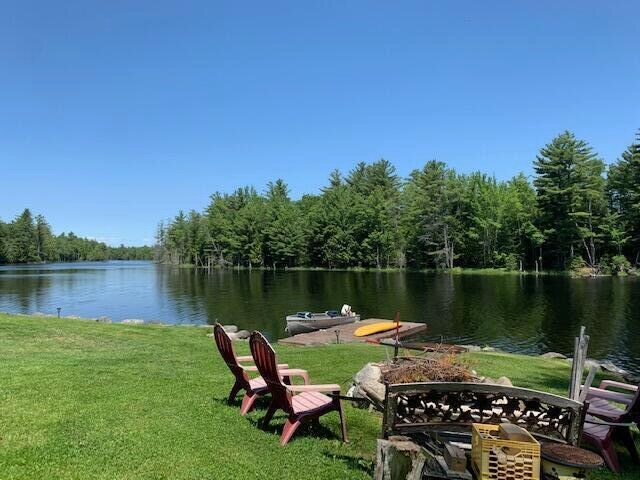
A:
(255, 387)
(605, 422)
(299, 402)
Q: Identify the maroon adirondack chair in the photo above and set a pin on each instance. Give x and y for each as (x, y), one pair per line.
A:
(605, 422)
(255, 387)
(299, 402)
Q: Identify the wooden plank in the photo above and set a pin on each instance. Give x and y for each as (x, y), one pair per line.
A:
(455, 457)
(577, 365)
(345, 334)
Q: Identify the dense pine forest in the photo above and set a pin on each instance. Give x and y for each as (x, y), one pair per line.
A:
(572, 214)
(30, 240)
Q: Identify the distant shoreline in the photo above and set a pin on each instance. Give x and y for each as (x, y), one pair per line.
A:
(452, 271)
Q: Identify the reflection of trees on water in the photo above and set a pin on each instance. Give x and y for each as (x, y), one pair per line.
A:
(519, 313)
(24, 294)
(522, 313)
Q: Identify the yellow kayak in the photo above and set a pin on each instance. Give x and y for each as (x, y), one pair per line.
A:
(375, 328)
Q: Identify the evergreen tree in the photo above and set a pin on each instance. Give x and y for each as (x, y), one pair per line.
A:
(623, 188)
(21, 246)
(571, 202)
(433, 218)
(284, 236)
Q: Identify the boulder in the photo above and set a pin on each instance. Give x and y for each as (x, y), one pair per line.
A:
(374, 390)
(230, 328)
(103, 320)
(589, 362)
(368, 386)
(243, 334)
(611, 367)
(504, 381)
(132, 321)
(488, 349)
(470, 348)
(553, 355)
(369, 373)
(232, 335)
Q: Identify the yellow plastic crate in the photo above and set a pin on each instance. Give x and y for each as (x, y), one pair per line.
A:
(493, 458)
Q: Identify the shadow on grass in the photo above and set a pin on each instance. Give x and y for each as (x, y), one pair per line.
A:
(311, 428)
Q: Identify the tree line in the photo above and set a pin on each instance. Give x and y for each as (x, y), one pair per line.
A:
(573, 213)
(29, 239)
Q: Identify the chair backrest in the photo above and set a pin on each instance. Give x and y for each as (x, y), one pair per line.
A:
(264, 357)
(225, 347)
(633, 410)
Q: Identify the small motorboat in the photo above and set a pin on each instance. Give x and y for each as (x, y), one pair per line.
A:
(303, 322)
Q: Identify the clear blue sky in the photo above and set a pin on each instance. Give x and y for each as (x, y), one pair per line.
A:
(114, 115)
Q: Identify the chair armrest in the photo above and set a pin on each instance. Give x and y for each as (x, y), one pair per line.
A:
(245, 358)
(331, 387)
(294, 372)
(598, 421)
(612, 383)
(624, 398)
(253, 368)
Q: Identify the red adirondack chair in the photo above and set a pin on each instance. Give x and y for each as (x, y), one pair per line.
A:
(606, 422)
(255, 387)
(299, 402)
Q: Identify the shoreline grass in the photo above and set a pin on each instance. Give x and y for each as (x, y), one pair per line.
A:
(89, 400)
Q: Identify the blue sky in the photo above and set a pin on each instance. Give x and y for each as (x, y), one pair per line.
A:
(114, 115)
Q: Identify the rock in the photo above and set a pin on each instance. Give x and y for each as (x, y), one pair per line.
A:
(103, 320)
(611, 367)
(72, 317)
(369, 373)
(230, 328)
(589, 362)
(132, 321)
(243, 334)
(553, 355)
(211, 335)
(232, 335)
(470, 348)
(398, 457)
(504, 381)
(374, 390)
(39, 314)
(487, 380)
(368, 385)
(488, 349)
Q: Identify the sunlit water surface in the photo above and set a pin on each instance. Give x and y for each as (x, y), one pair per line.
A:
(525, 314)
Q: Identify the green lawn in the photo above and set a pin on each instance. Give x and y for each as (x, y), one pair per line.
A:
(85, 400)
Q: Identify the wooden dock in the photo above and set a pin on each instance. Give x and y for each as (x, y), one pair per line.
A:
(345, 333)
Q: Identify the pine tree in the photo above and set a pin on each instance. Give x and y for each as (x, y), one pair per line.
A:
(283, 230)
(433, 217)
(21, 245)
(623, 188)
(570, 193)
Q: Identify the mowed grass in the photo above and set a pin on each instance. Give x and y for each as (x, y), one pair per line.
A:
(85, 400)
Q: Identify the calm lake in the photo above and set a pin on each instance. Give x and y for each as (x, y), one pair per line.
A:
(525, 314)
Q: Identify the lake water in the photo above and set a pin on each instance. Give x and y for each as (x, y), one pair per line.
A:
(525, 314)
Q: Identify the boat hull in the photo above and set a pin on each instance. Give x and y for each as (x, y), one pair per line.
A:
(296, 325)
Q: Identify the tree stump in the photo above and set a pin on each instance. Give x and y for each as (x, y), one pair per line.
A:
(398, 458)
